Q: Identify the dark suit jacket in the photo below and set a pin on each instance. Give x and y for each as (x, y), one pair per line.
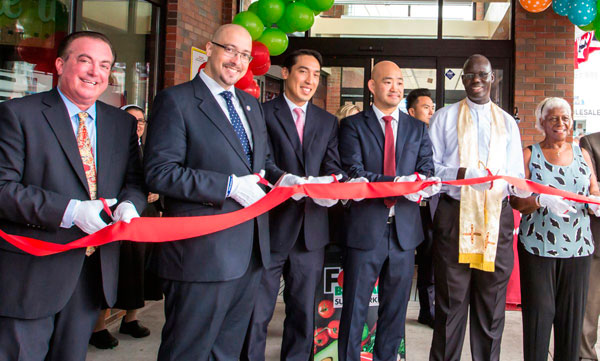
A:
(191, 150)
(361, 151)
(591, 143)
(316, 156)
(40, 171)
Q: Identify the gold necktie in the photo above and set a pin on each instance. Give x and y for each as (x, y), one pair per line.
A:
(87, 158)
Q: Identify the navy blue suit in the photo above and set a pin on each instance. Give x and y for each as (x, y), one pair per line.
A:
(376, 248)
(40, 172)
(299, 230)
(210, 281)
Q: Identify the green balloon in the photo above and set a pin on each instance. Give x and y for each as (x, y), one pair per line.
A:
(253, 7)
(319, 5)
(270, 11)
(251, 22)
(299, 16)
(284, 26)
(275, 40)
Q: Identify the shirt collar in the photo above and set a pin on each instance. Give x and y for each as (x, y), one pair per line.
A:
(215, 88)
(293, 106)
(73, 109)
(395, 114)
(479, 107)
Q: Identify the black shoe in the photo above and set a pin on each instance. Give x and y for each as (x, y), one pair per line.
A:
(426, 321)
(134, 329)
(103, 339)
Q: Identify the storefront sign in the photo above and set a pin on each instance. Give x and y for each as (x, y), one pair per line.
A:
(198, 58)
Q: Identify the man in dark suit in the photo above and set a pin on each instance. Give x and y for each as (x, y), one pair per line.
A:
(206, 140)
(60, 151)
(381, 144)
(304, 142)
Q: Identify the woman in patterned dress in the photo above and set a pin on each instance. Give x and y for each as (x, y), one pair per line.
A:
(555, 241)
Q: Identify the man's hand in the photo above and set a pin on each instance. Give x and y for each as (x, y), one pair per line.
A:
(245, 190)
(478, 173)
(556, 205)
(433, 189)
(413, 197)
(356, 180)
(152, 197)
(518, 192)
(323, 202)
(86, 215)
(125, 212)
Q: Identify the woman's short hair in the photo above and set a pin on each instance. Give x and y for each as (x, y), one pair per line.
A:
(345, 110)
(545, 106)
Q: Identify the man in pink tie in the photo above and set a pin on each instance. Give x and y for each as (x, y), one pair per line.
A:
(303, 139)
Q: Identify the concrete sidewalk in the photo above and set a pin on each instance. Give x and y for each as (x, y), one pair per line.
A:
(417, 343)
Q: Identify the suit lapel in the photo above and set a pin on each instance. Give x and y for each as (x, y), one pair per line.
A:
(311, 126)
(401, 135)
(58, 118)
(253, 121)
(209, 106)
(374, 126)
(105, 133)
(284, 116)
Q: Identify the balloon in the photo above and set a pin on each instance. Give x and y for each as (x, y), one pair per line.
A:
(284, 26)
(245, 81)
(299, 16)
(260, 55)
(582, 12)
(535, 6)
(270, 11)
(262, 69)
(251, 22)
(253, 89)
(589, 27)
(319, 5)
(561, 7)
(253, 7)
(275, 40)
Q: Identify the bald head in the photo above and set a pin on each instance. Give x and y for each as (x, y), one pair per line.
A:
(225, 65)
(387, 86)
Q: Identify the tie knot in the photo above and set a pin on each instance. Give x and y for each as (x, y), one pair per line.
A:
(298, 111)
(82, 116)
(387, 118)
(227, 95)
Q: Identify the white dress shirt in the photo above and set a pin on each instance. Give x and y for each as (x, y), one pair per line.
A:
(395, 115)
(293, 106)
(444, 139)
(216, 91)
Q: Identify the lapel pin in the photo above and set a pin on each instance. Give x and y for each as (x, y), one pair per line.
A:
(247, 107)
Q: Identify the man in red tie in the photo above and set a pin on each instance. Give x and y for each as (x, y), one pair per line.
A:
(382, 144)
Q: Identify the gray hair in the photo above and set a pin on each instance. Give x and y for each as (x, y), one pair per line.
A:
(545, 106)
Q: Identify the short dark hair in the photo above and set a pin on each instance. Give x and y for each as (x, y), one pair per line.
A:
(414, 95)
(63, 48)
(292, 58)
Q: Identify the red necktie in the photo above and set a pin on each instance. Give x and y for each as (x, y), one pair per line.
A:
(389, 155)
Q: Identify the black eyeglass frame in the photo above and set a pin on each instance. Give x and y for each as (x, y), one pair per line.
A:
(232, 52)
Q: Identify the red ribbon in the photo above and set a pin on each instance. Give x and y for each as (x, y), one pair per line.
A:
(155, 230)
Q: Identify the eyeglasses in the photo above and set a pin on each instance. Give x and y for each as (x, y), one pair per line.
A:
(142, 120)
(482, 75)
(231, 52)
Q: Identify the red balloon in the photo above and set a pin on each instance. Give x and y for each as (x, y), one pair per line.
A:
(260, 55)
(202, 66)
(253, 89)
(245, 81)
(263, 69)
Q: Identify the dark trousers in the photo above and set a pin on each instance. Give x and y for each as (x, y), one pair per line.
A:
(424, 260)
(457, 287)
(589, 331)
(301, 271)
(553, 292)
(208, 320)
(395, 268)
(60, 337)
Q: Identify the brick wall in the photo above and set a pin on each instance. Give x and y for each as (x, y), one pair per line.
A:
(191, 23)
(544, 64)
(334, 83)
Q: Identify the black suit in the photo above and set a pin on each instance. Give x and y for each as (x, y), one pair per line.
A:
(299, 230)
(209, 281)
(40, 172)
(376, 248)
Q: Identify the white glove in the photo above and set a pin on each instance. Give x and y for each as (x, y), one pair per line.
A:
(356, 180)
(518, 192)
(556, 205)
(324, 202)
(434, 188)
(288, 180)
(478, 173)
(595, 208)
(413, 197)
(125, 212)
(245, 189)
(86, 215)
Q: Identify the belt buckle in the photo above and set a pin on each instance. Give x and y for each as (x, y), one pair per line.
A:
(390, 220)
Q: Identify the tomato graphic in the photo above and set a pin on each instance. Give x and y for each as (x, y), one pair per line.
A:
(333, 329)
(341, 278)
(326, 309)
(321, 337)
(366, 356)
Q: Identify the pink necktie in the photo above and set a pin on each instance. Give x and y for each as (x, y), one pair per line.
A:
(299, 122)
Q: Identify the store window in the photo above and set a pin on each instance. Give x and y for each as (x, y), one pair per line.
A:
(484, 20)
(30, 31)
